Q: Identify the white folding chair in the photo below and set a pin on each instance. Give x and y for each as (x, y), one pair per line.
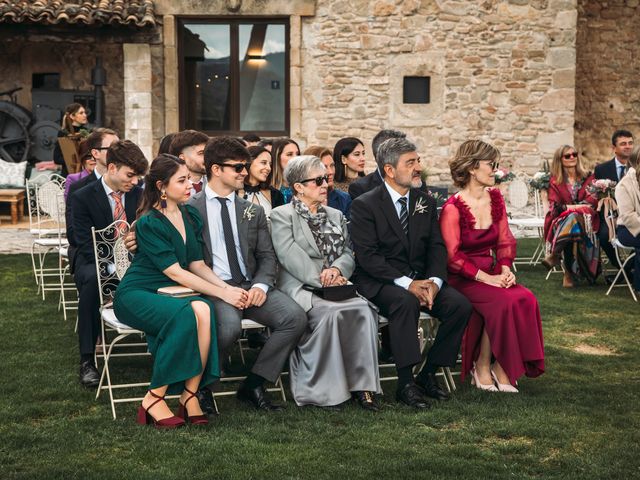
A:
(112, 260)
(520, 218)
(624, 255)
(431, 324)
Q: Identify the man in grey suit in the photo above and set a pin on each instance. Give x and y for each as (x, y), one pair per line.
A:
(238, 247)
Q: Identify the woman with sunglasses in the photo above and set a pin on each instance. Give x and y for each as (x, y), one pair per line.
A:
(572, 221)
(283, 150)
(337, 358)
(505, 324)
(257, 188)
(335, 198)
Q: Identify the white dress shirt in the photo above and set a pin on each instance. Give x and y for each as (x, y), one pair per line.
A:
(618, 165)
(216, 234)
(405, 281)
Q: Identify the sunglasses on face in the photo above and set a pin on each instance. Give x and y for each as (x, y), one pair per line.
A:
(567, 156)
(238, 167)
(319, 180)
(494, 164)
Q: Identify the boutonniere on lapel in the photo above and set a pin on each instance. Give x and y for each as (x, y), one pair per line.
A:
(421, 206)
(249, 213)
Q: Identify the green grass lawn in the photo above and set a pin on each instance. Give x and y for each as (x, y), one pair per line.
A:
(579, 420)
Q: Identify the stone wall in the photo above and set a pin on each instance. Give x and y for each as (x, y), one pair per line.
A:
(502, 71)
(607, 74)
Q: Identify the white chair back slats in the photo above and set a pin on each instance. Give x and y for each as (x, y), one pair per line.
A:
(518, 194)
(111, 256)
(46, 207)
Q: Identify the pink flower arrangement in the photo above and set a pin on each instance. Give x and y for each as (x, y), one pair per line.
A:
(502, 176)
(602, 188)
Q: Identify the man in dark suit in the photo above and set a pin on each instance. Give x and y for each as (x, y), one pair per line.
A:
(97, 144)
(239, 250)
(614, 169)
(114, 197)
(402, 267)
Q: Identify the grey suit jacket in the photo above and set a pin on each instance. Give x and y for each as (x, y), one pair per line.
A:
(255, 241)
(300, 259)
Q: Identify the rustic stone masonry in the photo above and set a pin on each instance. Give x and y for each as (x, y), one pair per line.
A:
(501, 71)
(607, 74)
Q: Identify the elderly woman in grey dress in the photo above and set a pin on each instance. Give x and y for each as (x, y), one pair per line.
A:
(336, 358)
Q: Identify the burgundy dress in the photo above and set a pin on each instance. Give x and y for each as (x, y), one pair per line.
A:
(511, 316)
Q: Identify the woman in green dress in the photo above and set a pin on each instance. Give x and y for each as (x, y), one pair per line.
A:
(180, 331)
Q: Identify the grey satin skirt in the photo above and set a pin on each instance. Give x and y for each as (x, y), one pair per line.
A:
(337, 355)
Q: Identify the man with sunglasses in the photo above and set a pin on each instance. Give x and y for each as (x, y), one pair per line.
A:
(614, 169)
(239, 250)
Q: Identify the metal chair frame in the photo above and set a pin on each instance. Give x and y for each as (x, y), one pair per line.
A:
(624, 255)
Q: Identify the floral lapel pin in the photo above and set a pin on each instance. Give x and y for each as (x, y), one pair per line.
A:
(421, 206)
(249, 213)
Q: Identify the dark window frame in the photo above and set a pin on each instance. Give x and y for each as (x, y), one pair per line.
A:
(234, 87)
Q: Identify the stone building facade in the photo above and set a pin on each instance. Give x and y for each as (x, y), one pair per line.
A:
(526, 75)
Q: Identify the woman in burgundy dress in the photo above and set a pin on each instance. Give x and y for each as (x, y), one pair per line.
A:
(571, 222)
(505, 325)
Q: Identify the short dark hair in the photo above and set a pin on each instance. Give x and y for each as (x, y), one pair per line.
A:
(94, 140)
(620, 133)
(185, 139)
(265, 141)
(125, 153)
(165, 143)
(251, 137)
(382, 136)
(221, 149)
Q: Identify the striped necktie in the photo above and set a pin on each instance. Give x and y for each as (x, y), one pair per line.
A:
(118, 211)
(404, 214)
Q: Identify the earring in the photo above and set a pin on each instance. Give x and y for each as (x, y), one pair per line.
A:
(345, 170)
(163, 200)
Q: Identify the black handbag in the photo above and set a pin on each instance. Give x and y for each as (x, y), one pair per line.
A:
(335, 293)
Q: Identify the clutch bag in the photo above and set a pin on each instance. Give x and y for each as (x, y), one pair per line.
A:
(177, 291)
(335, 293)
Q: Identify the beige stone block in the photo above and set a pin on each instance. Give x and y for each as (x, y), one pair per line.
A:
(294, 76)
(138, 100)
(561, 57)
(295, 97)
(565, 78)
(566, 20)
(558, 100)
(549, 142)
(136, 53)
(169, 30)
(383, 8)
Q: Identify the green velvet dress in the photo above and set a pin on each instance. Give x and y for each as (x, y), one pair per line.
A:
(169, 323)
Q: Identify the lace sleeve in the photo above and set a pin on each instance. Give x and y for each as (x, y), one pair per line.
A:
(506, 245)
(458, 262)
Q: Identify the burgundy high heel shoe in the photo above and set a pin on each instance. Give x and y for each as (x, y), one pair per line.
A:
(193, 419)
(145, 418)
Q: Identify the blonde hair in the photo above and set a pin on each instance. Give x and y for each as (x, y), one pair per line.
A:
(317, 151)
(557, 170)
(467, 158)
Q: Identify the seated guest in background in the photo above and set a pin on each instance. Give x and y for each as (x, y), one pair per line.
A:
(572, 221)
(165, 143)
(283, 150)
(402, 268)
(266, 143)
(180, 332)
(88, 164)
(257, 184)
(189, 146)
(337, 358)
(114, 197)
(505, 324)
(335, 198)
(628, 222)
(237, 246)
(74, 122)
(349, 159)
(251, 139)
(614, 169)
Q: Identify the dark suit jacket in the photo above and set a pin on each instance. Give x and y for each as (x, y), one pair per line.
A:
(606, 170)
(255, 239)
(91, 208)
(68, 212)
(369, 182)
(383, 252)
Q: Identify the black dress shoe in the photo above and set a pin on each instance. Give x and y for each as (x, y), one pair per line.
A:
(258, 398)
(385, 356)
(89, 376)
(430, 387)
(411, 395)
(366, 400)
(205, 397)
